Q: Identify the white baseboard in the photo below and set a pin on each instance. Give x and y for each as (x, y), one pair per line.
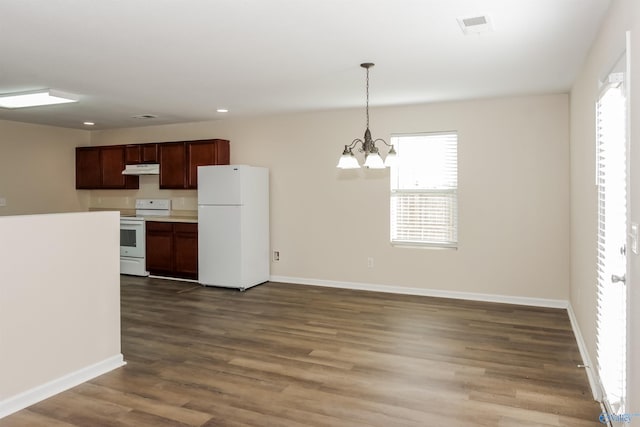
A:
(179, 279)
(44, 391)
(590, 368)
(507, 299)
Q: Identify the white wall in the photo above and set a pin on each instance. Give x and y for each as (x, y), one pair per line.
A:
(514, 192)
(624, 15)
(59, 303)
(37, 169)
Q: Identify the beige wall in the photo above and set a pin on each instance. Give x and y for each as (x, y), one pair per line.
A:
(37, 169)
(59, 304)
(514, 192)
(610, 44)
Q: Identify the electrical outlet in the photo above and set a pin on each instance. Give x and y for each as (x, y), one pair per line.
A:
(276, 255)
(370, 262)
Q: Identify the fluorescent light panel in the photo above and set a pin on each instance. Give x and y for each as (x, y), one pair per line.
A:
(35, 98)
(475, 24)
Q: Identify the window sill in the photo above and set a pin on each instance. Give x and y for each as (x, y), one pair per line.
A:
(424, 246)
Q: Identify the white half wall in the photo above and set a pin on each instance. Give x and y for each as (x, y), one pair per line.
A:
(59, 303)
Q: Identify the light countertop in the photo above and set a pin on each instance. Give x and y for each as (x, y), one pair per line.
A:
(172, 218)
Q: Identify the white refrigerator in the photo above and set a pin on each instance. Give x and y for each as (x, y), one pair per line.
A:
(233, 226)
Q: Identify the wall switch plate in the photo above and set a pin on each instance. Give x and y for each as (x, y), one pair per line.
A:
(3, 201)
(276, 255)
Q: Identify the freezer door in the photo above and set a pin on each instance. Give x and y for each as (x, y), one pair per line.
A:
(220, 185)
(220, 246)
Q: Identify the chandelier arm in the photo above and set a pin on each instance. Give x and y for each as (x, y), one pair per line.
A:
(383, 141)
(355, 142)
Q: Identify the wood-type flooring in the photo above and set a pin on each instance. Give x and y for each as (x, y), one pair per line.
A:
(293, 355)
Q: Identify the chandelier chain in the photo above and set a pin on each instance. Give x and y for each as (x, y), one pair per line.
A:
(367, 97)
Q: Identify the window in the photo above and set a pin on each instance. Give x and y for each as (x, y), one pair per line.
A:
(424, 190)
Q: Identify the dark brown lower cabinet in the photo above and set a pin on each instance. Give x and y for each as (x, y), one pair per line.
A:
(172, 249)
(185, 243)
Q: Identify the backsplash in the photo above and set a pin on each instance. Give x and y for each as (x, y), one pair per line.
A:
(183, 202)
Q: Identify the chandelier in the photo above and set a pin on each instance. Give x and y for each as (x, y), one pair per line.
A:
(372, 157)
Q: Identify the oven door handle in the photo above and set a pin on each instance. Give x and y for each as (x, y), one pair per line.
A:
(131, 222)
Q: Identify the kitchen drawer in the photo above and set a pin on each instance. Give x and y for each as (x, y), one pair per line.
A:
(179, 227)
(159, 226)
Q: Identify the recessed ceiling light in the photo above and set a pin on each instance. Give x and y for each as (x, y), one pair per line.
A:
(35, 98)
(88, 123)
(222, 110)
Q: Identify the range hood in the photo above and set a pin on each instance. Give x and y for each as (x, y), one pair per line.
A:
(143, 169)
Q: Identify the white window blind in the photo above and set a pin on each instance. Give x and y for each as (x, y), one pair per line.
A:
(611, 180)
(424, 190)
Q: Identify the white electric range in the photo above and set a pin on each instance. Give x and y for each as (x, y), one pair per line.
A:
(132, 235)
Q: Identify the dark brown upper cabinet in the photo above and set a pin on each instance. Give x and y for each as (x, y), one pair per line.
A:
(88, 168)
(173, 164)
(179, 161)
(101, 168)
(141, 153)
(205, 153)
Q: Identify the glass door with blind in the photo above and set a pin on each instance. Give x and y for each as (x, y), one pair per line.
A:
(612, 143)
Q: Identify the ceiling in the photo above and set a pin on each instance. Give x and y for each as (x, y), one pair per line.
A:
(181, 60)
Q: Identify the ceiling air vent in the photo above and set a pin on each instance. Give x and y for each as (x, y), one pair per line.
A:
(145, 116)
(475, 24)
